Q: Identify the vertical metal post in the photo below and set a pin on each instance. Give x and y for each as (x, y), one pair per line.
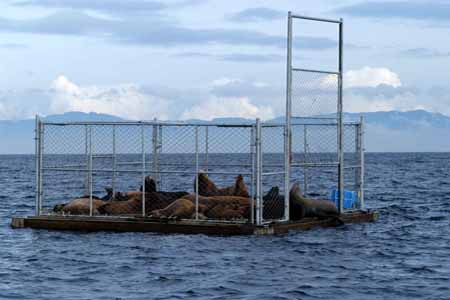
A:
(41, 164)
(340, 127)
(143, 167)
(305, 168)
(37, 161)
(155, 151)
(252, 176)
(206, 148)
(158, 166)
(90, 171)
(86, 155)
(357, 183)
(196, 172)
(259, 204)
(361, 162)
(287, 133)
(114, 166)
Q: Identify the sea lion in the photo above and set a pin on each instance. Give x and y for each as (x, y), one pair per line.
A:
(133, 202)
(150, 185)
(273, 204)
(181, 208)
(208, 188)
(215, 207)
(301, 207)
(79, 206)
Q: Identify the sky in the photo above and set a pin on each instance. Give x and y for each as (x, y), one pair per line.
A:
(204, 59)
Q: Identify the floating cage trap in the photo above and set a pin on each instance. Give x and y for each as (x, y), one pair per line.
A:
(205, 177)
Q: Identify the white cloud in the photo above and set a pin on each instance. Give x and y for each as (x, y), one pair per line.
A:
(125, 101)
(359, 103)
(62, 84)
(228, 107)
(225, 81)
(371, 77)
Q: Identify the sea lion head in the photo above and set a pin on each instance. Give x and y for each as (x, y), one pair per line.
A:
(205, 186)
(240, 189)
(295, 190)
(150, 185)
(58, 207)
(273, 193)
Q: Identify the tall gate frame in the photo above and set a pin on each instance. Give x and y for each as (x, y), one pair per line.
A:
(339, 108)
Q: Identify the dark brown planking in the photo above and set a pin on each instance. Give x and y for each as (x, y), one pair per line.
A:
(92, 224)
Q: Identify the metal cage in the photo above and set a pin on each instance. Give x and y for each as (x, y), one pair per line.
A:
(80, 159)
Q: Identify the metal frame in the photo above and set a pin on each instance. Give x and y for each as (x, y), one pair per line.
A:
(290, 69)
(256, 170)
(255, 166)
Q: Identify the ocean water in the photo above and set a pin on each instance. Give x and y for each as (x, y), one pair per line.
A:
(405, 255)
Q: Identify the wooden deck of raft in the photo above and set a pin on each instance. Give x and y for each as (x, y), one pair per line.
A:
(92, 224)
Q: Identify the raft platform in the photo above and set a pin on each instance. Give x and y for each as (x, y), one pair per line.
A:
(94, 224)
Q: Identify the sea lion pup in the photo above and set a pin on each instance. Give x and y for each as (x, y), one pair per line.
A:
(215, 207)
(80, 206)
(301, 207)
(207, 188)
(153, 201)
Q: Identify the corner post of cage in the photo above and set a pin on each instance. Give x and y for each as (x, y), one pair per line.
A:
(252, 176)
(259, 204)
(340, 120)
(90, 171)
(143, 167)
(356, 129)
(361, 162)
(196, 172)
(114, 162)
(155, 151)
(287, 133)
(37, 154)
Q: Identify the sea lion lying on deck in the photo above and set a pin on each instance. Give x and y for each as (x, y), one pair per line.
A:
(223, 207)
(80, 206)
(215, 207)
(150, 186)
(153, 200)
(208, 188)
(300, 207)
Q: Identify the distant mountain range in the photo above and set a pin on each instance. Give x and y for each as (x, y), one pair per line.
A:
(392, 131)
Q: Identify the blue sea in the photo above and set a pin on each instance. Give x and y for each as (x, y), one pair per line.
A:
(405, 255)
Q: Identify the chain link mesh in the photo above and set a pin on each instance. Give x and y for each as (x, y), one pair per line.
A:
(314, 95)
(115, 162)
(119, 160)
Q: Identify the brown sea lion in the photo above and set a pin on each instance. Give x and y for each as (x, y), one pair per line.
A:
(208, 188)
(181, 208)
(301, 207)
(215, 207)
(79, 206)
(133, 204)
